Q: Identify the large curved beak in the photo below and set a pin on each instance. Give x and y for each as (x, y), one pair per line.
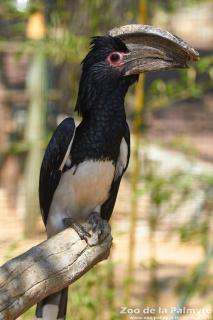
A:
(152, 49)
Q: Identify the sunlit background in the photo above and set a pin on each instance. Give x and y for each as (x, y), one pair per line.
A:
(162, 224)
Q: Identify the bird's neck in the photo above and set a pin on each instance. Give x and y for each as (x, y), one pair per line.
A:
(103, 99)
(104, 121)
(106, 106)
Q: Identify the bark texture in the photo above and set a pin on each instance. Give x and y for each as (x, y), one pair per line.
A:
(46, 268)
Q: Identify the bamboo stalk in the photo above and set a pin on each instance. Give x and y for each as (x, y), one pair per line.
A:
(35, 126)
(139, 105)
(34, 136)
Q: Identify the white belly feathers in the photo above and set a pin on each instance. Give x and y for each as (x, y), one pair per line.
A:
(87, 186)
(80, 191)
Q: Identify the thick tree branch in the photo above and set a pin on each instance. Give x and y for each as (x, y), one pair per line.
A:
(46, 268)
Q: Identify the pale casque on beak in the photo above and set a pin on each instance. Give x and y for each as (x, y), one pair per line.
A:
(152, 49)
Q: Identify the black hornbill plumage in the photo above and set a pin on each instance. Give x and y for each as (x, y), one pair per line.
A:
(82, 167)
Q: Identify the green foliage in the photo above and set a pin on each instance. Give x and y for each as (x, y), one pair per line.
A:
(93, 295)
(196, 282)
(194, 232)
(59, 50)
(183, 144)
(167, 193)
(192, 83)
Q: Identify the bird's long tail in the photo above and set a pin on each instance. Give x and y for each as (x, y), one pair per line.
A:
(53, 307)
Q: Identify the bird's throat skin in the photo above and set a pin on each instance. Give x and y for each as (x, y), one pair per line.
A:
(104, 121)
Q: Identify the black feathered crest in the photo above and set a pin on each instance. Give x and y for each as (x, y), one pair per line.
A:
(107, 42)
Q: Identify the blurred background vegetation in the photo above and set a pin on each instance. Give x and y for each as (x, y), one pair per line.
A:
(162, 224)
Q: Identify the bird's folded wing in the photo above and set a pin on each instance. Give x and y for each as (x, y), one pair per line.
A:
(108, 205)
(52, 165)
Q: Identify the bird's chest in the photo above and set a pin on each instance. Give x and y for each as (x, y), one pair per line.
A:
(84, 187)
(97, 140)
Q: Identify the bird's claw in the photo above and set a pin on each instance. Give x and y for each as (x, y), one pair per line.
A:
(100, 229)
(93, 231)
(80, 230)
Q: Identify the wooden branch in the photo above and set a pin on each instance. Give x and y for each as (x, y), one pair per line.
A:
(46, 268)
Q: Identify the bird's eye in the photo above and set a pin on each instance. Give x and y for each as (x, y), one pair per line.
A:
(115, 59)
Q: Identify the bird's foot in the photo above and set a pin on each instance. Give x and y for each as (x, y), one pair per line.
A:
(99, 229)
(79, 229)
(93, 231)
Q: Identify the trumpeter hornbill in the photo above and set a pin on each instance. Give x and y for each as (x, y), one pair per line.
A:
(82, 167)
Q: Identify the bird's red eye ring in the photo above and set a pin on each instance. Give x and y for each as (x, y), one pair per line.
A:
(115, 59)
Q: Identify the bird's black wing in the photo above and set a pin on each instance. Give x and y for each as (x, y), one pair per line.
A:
(50, 172)
(108, 205)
